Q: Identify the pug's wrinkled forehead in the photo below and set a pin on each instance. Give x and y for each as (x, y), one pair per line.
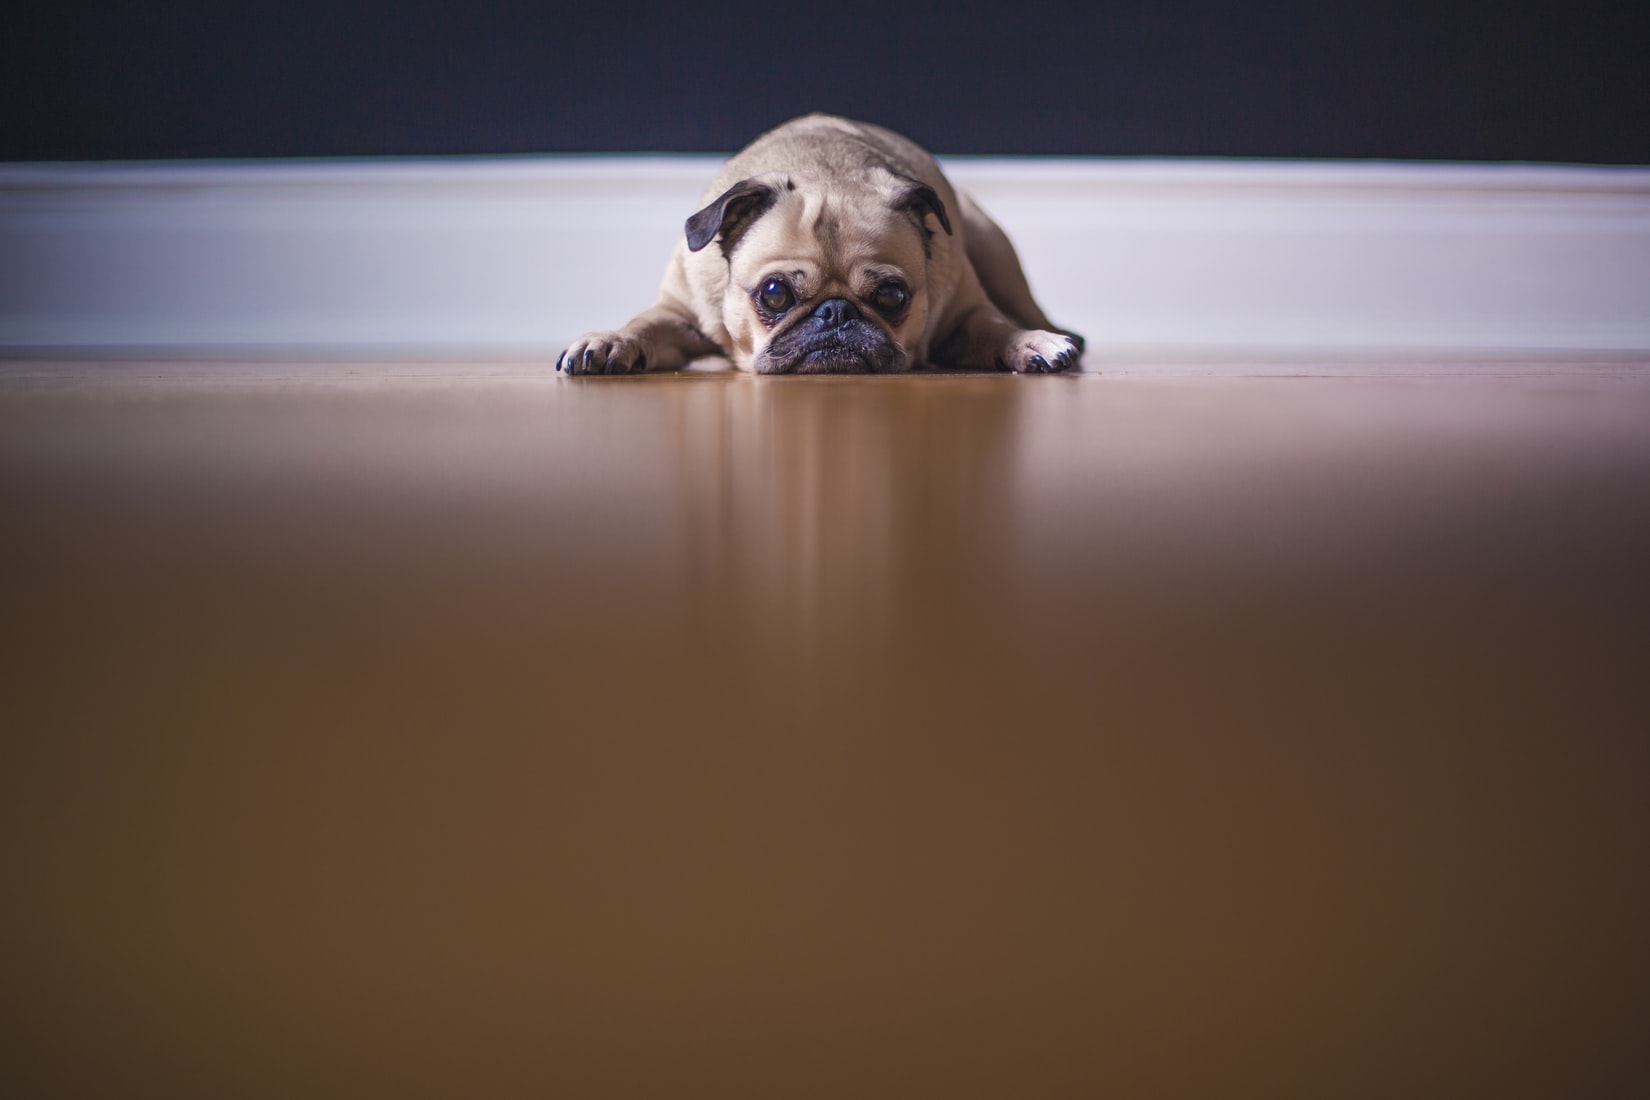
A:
(841, 219)
(830, 238)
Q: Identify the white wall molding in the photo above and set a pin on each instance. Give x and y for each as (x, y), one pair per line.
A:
(508, 257)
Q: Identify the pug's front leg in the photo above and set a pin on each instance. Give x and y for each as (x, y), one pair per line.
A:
(657, 339)
(986, 339)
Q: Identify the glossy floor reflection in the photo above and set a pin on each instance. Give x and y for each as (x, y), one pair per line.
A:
(434, 730)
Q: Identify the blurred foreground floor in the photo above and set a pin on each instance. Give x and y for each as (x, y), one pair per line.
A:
(469, 730)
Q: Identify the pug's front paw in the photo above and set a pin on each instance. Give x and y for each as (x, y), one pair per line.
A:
(1032, 351)
(603, 353)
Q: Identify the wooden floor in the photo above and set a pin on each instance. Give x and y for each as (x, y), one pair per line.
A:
(433, 730)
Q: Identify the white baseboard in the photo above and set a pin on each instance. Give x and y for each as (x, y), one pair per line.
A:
(512, 257)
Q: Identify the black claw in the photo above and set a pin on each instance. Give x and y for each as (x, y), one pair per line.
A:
(641, 362)
(1038, 364)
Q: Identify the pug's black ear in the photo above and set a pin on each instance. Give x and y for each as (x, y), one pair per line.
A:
(736, 208)
(921, 199)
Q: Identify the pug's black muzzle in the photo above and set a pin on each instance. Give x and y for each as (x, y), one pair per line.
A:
(836, 338)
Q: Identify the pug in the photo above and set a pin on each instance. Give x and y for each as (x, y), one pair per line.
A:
(828, 246)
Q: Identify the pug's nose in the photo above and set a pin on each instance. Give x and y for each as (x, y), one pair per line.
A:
(835, 312)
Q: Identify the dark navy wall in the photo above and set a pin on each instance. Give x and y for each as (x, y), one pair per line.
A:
(97, 80)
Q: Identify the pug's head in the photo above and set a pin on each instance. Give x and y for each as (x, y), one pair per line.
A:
(824, 278)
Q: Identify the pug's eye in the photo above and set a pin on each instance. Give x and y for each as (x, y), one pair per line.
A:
(776, 296)
(890, 297)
